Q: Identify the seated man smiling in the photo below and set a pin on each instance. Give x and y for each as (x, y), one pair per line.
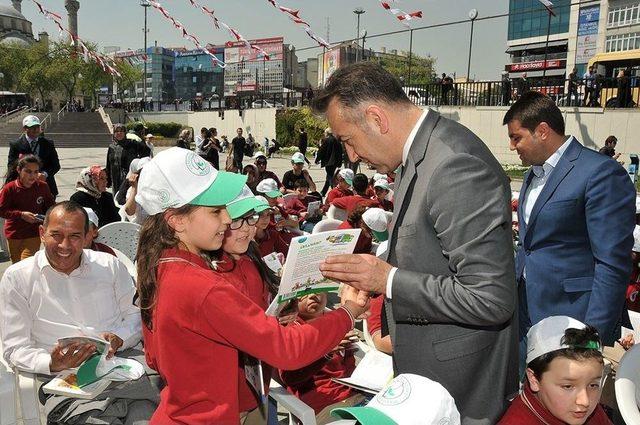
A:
(63, 291)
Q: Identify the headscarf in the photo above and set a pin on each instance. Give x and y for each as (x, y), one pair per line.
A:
(87, 181)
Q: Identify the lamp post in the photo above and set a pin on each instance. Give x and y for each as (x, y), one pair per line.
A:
(546, 46)
(358, 11)
(473, 14)
(410, 54)
(145, 5)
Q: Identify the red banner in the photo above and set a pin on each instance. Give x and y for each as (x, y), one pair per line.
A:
(530, 66)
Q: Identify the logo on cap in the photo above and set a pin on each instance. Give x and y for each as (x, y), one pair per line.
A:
(164, 196)
(197, 165)
(398, 392)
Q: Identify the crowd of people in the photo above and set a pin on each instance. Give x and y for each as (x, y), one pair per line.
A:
(482, 335)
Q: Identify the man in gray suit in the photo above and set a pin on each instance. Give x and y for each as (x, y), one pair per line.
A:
(448, 274)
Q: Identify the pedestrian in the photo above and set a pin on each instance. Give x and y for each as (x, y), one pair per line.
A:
(589, 80)
(23, 203)
(609, 148)
(91, 192)
(217, 322)
(120, 153)
(250, 146)
(572, 258)
(148, 140)
(33, 142)
(572, 86)
(329, 156)
(624, 89)
(303, 144)
(238, 143)
(523, 85)
(448, 273)
(184, 139)
(200, 141)
(506, 89)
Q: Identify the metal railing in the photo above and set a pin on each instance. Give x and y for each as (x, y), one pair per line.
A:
(105, 118)
(63, 111)
(44, 123)
(8, 116)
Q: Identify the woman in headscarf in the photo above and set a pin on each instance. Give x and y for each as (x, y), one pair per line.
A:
(92, 193)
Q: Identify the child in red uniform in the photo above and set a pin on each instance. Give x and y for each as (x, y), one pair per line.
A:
(267, 236)
(298, 206)
(354, 221)
(313, 384)
(196, 322)
(381, 189)
(280, 219)
(92, 234)
(344, 180)
(564, 376)
(374, 325)
(349, 203)
(21, 200)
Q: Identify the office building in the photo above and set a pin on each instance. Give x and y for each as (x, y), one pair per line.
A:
(196, 75)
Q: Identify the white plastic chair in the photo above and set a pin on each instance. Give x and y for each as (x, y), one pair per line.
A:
(131, 267)
(627, 385)
(122, 236)
(8, 414)
(336, 213)
(326, 225)
(298, 410)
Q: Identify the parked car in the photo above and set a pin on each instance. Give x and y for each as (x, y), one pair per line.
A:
(266, 104)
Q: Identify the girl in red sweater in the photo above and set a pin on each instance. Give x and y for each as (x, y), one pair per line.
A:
(22, 202)
(196, 322)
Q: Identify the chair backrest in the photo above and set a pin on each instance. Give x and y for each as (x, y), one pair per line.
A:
(122, 236)
(336, 213)
(628, 385)
(131, 267)
(326, 225)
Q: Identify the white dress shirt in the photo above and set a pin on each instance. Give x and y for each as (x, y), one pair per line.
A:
(38, 305)
(405, 154)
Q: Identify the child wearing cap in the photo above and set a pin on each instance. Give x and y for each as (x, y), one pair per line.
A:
(381, 189)
(314, 383)
(563, 378)
(268, 238)
(355, 221)
(297, 173)
(263, 173)
(298, 206)
(280, 219)
(196, 322)
(344, 180)
(23, 203)
(92, 234)
(349, 203)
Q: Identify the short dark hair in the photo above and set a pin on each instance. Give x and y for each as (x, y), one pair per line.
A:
(360, 82)
(610, 140)
(578, 340)
(360, 183)
(532, 109)
(300, 183)
(203, 129)
(68, 207)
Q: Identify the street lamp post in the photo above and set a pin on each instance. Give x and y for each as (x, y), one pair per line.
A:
(358, 11)
(473, 14)
(410, 53)
(145, 5)
(546, 47)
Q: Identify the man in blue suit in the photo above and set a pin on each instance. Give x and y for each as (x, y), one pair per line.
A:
(577, 214)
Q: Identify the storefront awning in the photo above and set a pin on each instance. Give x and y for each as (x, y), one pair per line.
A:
(615, 56)
(534, 46)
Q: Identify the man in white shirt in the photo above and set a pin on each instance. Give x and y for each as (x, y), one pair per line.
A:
(63, 291)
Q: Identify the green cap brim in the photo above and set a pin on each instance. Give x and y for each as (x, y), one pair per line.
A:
(349, 181)
(298, 162)
(364, 415)
(380, 236)
(239, 208)
(224, 189)
(261, 207)
(274, 194)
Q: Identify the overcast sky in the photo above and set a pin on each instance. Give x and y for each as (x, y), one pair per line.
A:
(120, 22)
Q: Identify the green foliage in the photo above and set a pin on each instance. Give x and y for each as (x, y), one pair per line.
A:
(422, 68)
(166, 129)
(290, 121)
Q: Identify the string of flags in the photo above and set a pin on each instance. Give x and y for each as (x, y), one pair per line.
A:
(185, 34)
(294, 15)
(239, 37)
(400, 14)
(548, 5)
(87, 54)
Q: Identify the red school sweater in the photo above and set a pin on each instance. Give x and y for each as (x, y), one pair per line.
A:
(200, 324)
(15, 198)
(349, 203)
(313, 384)
(336, 193)
(274, 241)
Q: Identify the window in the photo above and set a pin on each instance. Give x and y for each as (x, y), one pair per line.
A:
(624, 15)
(622, 42)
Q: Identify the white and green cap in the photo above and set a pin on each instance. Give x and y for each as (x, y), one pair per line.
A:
(378, 221)
(547, 336)
(269, 187)
(297, 158)
(243, 203)
(382, 183)
(176, 177)
(402, 402)
(262, 205)
(379, 176)
(347, 175)
(30, 121)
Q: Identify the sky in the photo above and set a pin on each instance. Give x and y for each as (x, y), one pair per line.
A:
(120, 23)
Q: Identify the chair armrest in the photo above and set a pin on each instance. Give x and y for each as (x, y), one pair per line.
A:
(27, 386)
(292, 404)
(7, 395)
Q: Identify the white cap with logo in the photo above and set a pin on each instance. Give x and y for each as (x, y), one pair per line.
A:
(269, 187)
(407, 400)
(378, 221)
(297, 158)
(93, 217)
(347, 175)
(382, 183)
(177, 177)
(546, 336)
(31, 121)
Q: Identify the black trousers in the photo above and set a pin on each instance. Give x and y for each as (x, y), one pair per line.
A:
(330, 170)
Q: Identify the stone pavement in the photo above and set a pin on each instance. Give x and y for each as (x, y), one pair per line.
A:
(72, 160)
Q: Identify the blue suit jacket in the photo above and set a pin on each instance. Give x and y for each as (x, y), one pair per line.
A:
(577, 244)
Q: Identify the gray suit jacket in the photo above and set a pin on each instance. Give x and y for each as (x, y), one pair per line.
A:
(453, 312)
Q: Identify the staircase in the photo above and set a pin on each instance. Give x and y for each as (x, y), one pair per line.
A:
(74, 130)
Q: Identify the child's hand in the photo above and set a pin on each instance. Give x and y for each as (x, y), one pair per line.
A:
(627, 342)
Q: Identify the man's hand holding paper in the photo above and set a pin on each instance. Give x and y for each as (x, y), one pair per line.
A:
(361, 271)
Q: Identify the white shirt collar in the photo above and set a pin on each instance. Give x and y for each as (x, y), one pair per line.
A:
(553, 160)
(42, 261)
(412, 136)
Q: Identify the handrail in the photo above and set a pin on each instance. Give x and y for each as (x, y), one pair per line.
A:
(43, 122)
(63, 110)
(105, 118)
(11, 114)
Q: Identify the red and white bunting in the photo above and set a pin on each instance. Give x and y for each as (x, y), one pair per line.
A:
(86, 52)
(294, 15)
(400, 14)
(548, 5)
(185, 34)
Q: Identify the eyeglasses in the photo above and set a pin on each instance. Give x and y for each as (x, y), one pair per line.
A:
(250, 220)
(261, 162)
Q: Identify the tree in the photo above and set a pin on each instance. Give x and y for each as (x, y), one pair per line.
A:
(129, 75)
(422, 68)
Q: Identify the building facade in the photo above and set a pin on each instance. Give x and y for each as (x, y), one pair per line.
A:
(338, 56)
(14, 27)
(160, 75)
(197, 77)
